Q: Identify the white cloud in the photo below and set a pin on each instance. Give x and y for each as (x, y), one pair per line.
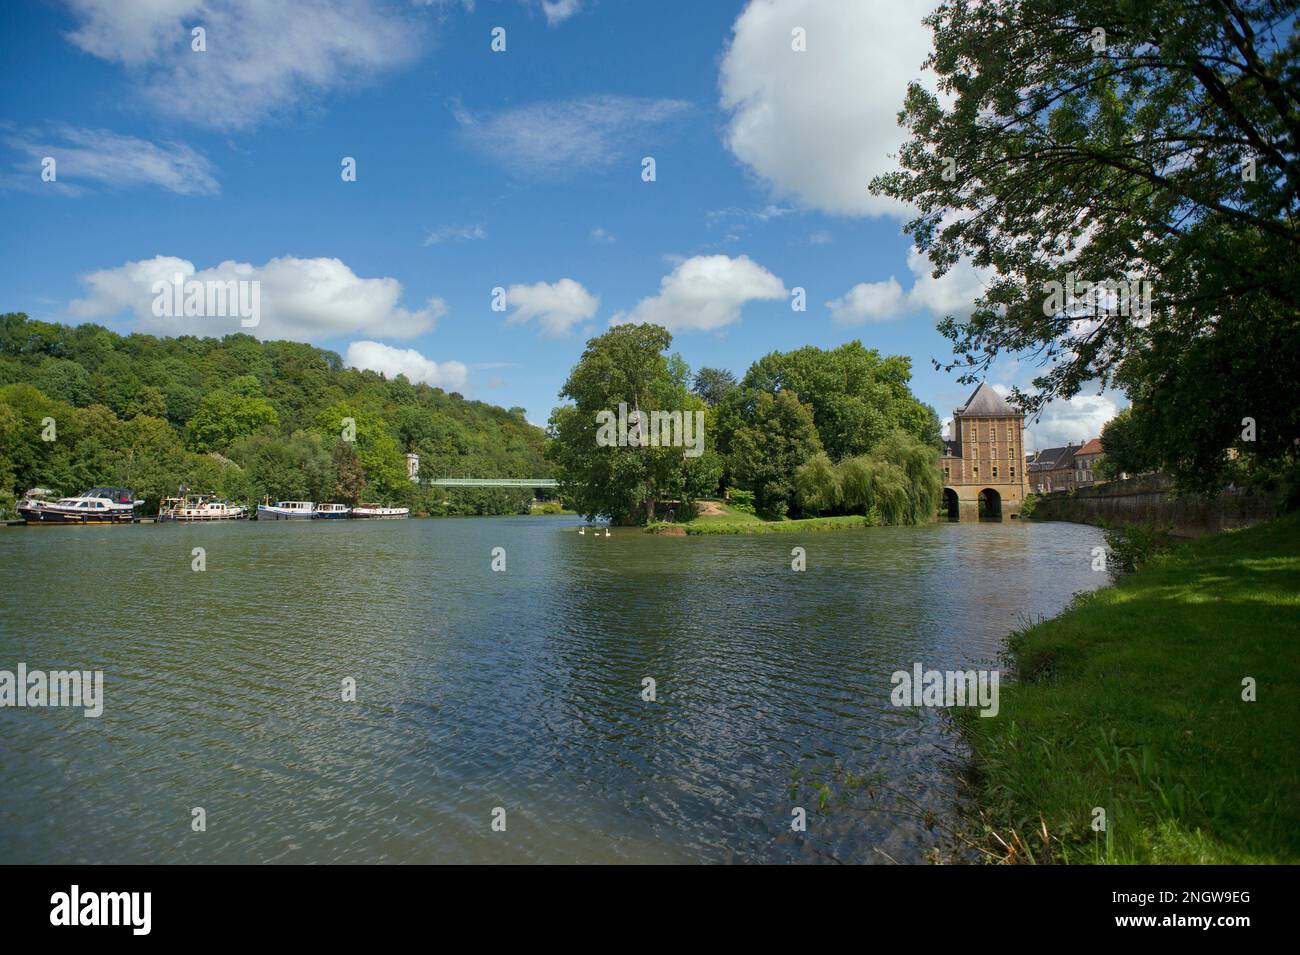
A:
(301, 299)
(554, 138)
(455, 233)
(818, 125)
(557, 11)
(705, 293)
(867, 302)
(954, 293)
(1070, 421)
(376, 356)
(103, 157)
(262, 55)
(557, 306)
(602, 236)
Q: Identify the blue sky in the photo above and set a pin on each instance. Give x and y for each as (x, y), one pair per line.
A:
(477, 170)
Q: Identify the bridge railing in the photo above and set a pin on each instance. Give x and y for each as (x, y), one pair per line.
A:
(493, 482)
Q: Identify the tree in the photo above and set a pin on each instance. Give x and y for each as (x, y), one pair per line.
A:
(227, 415)
(115, 431)
(856, 396)
(349, 475)
(919, 464)
(599, 472)
(766, 450)
(1085, 145)
(817, 484)
(1125, 449)
(713, 384)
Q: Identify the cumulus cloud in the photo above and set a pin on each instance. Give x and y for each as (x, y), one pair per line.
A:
(300, 299)
(558, 137)
(954, 293)
(262, 55)
(557, 306)
(867, 302)
(104, 158)
(376, 356)
(603, 236)
(705, 293)
(818, 125)
(1070, 421)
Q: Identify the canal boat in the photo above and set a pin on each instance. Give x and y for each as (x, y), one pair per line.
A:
(200, 508)
(286, 511)
(99, 505)
(331, 512)
(377, 512)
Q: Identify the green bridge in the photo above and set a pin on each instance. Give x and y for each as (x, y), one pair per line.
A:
(493, 482)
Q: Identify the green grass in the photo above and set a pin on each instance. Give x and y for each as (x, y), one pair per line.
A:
(732, 521)
(1131, 701)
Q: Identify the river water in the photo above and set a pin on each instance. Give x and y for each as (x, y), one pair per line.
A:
(518, 690)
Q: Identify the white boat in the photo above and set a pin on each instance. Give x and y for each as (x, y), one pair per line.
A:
(286, 511)
(331, 512)
(200, 507)
(378, 512)
(99, 505)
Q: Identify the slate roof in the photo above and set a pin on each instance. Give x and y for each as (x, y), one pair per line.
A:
(986, 402)
(1050, 459)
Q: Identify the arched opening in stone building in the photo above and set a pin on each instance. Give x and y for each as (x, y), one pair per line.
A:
(990, 505)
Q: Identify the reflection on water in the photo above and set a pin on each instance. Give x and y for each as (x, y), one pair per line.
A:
(478, 689)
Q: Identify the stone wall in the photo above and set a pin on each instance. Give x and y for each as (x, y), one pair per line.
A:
(1150, 500)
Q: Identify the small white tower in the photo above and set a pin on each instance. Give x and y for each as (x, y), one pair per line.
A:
(413, 467)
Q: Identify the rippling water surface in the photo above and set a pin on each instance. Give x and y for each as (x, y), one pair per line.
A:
(478, 689)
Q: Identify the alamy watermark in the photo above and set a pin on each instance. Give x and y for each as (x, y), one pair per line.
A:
(1082, 298)
(212, 298)
(946, 688)
(83, 688)
(651, 429)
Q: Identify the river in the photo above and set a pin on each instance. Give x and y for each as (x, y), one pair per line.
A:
(519, 690)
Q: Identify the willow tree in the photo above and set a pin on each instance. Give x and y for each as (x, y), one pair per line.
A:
(1077, 149)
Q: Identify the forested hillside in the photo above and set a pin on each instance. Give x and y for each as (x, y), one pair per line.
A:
(83, 405)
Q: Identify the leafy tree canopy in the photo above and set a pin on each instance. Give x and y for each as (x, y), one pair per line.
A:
(1097, 141)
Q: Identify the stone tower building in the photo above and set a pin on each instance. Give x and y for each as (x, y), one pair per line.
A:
(984, 460)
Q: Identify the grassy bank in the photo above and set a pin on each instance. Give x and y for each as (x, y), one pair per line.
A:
(717, 517)
(1131, 701)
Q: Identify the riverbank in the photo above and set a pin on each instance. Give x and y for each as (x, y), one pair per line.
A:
(1131, 702)
(1152, 501)
(717, 517)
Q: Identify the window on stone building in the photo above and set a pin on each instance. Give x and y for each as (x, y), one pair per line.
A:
(995, 470)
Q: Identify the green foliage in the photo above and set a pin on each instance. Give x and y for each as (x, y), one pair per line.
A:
(225, 416)
(776, 436)
(240, 418)
(1027, 507)
(1132, 546)
(349, 474)
(627, 366)
(920, 466)
(817, 485)
(1117, 165)
(855, 396)
(741, 500)
(713, 384)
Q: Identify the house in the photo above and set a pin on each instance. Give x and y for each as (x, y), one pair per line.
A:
(1085, 463)
(1051, 469)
